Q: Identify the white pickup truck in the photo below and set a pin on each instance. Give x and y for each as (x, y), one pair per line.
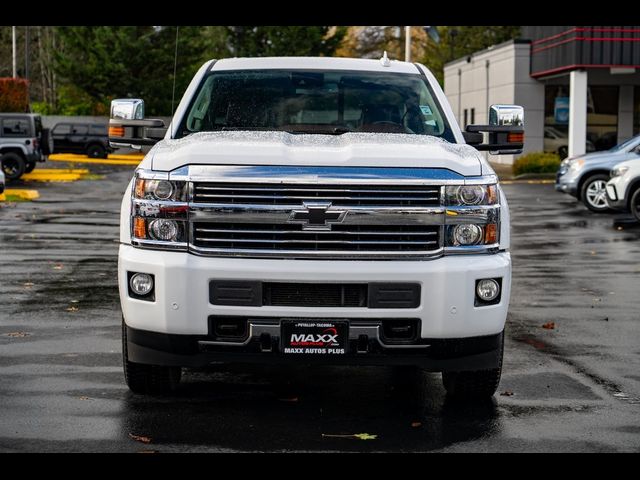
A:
(314, 210)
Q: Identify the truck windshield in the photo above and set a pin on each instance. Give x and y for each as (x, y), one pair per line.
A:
(311, 101)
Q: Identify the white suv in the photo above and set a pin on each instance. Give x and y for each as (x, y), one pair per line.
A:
(314, 210)
(623, 190)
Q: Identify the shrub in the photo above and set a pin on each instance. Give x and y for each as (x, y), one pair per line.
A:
(536, 162)
(13, 95)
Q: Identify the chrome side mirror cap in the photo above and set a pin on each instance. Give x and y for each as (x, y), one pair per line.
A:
(127, 109)
(512, 115)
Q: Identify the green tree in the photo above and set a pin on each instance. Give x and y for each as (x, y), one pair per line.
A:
(264, 41)
(105, 62)
(456, 42)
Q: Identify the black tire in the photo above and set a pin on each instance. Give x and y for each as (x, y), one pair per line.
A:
(593, 193)
(145, 379)
(13, 165)
(634, 206)
(474, 384)
(563, 152)
(96, 151)
(29, 167)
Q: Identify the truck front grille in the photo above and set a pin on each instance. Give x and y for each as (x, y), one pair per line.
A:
(291, 237)
(293, 194)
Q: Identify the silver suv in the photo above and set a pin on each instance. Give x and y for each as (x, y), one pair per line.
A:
(23, 142)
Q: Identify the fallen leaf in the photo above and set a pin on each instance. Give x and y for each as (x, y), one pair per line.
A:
(72, 309)
(416, 424)
(359, 436)
(58, 266)
(27, 284)
(17, 334)
(291, 400)
(82, 397)
(365, 436)
(139, 438)
(507, 393)
(549, 325)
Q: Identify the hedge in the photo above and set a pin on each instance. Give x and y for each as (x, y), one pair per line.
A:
(14, 95)
(536, 162)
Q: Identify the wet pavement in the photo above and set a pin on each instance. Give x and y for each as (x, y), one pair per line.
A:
(572, 388)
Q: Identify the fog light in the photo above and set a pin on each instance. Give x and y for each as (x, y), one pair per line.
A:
(163, 229)
(487, 290)
(141, 284)
(467, 234)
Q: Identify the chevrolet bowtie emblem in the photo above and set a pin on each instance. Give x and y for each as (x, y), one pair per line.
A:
(317, 216)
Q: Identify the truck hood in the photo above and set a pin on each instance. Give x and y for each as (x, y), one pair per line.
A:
(282, 148)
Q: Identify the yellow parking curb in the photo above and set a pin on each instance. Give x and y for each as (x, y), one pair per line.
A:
(133, 159)
(20, 193)
(530, 182)
(51, 177)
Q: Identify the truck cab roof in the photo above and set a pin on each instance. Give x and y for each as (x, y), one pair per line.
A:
(319, 63)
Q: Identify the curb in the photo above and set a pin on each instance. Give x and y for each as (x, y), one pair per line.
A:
(20, 193)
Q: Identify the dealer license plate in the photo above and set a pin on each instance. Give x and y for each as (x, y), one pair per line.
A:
(314, 337)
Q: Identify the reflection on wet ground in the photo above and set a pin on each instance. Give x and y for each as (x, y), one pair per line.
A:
(571, 388)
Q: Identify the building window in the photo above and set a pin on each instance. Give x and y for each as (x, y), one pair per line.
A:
(466, 115)
(473, 116)
(602, 118)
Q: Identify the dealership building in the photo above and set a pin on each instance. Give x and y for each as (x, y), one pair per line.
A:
(579, 86)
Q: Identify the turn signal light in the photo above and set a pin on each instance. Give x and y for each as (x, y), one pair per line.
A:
(490, 234)
(139, 192)
(515, 137)
(139, 227)
(116, 131)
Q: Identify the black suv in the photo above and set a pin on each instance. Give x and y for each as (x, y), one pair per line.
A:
(23, 142)
(88, 138)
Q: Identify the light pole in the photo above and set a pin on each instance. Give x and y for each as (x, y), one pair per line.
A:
(13, 50)
(407, 44)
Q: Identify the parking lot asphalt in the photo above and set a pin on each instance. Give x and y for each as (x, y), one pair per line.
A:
(574, 387)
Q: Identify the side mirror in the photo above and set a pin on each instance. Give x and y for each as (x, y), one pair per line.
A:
(129, 129)
(505, 129)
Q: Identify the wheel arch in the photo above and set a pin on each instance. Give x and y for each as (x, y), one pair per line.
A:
(631, 188)
(13, 149)
(587, 175)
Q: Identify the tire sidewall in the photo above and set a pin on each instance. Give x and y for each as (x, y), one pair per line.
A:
(583, 192)
(96, 151)
(20, 165)
(635, 200)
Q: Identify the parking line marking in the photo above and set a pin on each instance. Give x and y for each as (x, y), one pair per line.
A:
(51, 177)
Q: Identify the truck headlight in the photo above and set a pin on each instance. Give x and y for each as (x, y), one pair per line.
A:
(159, 211)
(466, 234)
(164, 230)
(619, 171)
(471, 195)
(165, 190)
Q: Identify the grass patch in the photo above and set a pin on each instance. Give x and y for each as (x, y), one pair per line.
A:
(14, 198)
(536, 162)
(92, 176)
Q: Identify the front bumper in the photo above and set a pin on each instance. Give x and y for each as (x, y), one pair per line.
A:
(182, 306)
(477, 353)
(567, 183)
(615, 194)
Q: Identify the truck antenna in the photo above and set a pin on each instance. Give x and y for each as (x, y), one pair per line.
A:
(175, 64)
